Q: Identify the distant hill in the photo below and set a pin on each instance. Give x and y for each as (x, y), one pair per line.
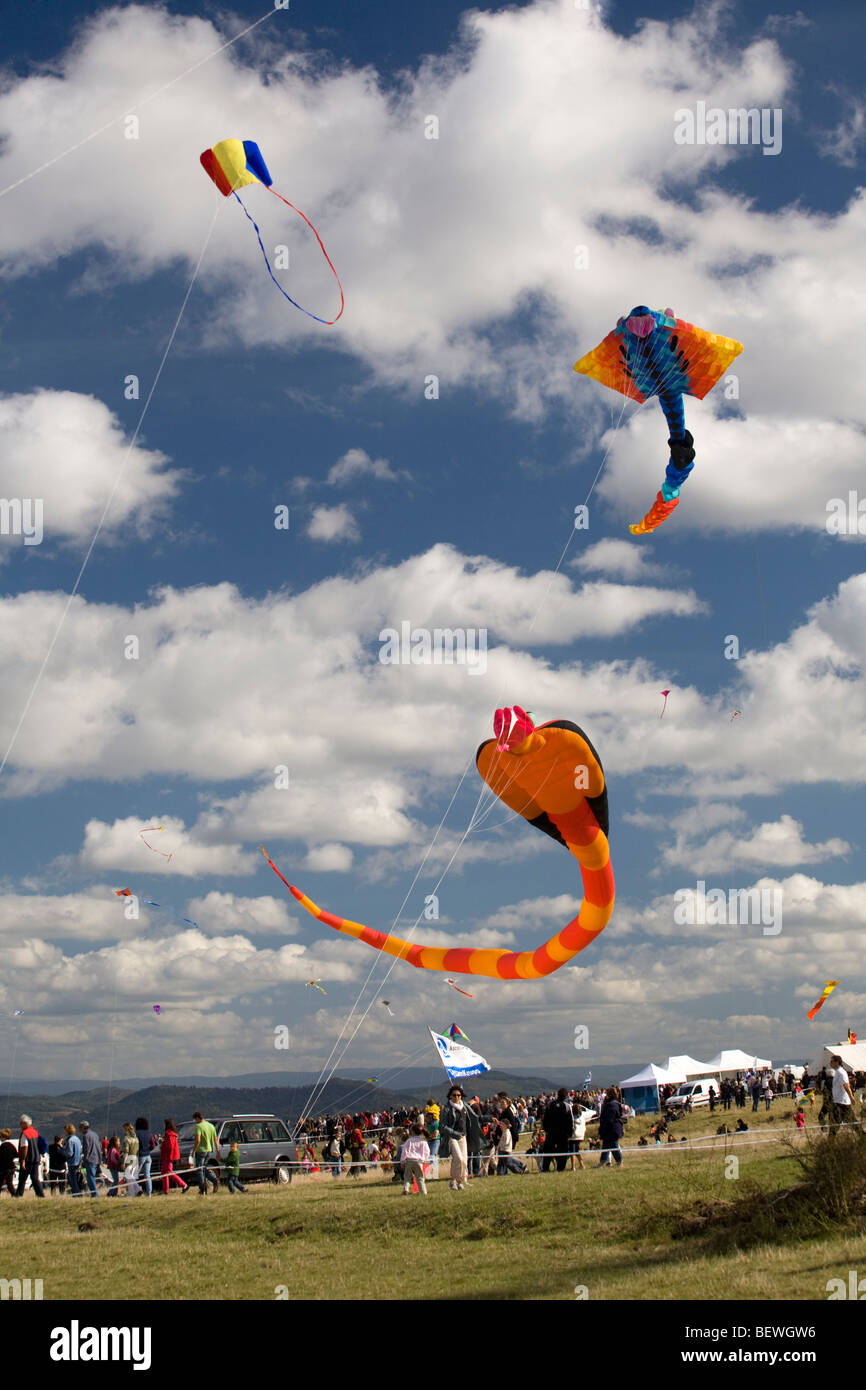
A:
(104, 1107)
(415, 1078)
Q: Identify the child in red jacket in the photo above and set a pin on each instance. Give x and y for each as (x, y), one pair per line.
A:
(169, 1155)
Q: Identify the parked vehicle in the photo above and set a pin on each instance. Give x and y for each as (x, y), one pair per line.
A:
(696, 1091)
(265, 1146)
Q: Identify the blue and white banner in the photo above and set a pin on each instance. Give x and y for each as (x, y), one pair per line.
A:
(458, 1061)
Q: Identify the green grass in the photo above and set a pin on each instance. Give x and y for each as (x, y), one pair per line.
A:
(532, 1237)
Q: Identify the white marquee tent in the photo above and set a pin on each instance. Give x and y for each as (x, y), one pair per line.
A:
(853, 1056)
(643, 1087)
(729, 1063)
(690, 1067)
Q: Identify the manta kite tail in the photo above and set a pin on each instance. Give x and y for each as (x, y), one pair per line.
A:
(552, 777)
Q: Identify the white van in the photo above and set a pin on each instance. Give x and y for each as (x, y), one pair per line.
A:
(696, 1091)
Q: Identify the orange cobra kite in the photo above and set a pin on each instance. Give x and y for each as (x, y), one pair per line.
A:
(552, 776)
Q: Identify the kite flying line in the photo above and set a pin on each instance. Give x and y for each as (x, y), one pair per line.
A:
(117, 481)
(134, 105)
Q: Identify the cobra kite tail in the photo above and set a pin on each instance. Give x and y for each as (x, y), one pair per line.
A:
(590, 847)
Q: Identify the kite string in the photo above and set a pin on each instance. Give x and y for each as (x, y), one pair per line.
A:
(12, 1071)
(117, 481)
(315, 1095)
(135, 105)
(314, 1092)
(393, 963)
(389, 1075)
(376, 962)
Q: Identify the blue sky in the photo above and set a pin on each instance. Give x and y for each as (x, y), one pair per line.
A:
(259, 647)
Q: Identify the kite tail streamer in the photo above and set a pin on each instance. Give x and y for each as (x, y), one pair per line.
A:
(327, 322)
(586, 841)
(321, 244)
(679, 467)
(658, 512)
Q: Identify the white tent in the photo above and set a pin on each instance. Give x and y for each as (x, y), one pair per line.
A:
(643, 1087)
(690, 1067)
(853, 1057)
(653, 1075)
(729, 1063)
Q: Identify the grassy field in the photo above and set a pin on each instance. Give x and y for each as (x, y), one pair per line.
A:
(617, 1232)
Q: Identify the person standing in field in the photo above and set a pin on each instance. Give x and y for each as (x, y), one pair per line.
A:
(169, 1155)
(130, 1159)
(414, 1153)
(204, 1146)
(842, 1097)
(56, 1167)
(558, 1129)
(454, 1129)
(610, 1129)
(333, 1153)
(431, 1124)
(356, 1150)
(146, 1146)
(29, 1157)
(113, 1160)
(578, 1136)
(233, 1169)
(71, 1148)
(92, 1154)
(7, 1162)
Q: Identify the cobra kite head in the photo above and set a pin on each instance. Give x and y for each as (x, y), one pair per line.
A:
(511, 727)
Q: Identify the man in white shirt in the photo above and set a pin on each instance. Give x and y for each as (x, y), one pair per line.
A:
(843, 1096)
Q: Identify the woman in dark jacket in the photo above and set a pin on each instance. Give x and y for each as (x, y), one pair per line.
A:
(610, 1128)
(460, 1129)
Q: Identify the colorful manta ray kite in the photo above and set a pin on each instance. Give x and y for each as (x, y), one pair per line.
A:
(234, 163)
(533, 772)
(655, 354)
(828, 990)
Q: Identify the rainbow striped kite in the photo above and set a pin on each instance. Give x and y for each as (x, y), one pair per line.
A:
(828, 990)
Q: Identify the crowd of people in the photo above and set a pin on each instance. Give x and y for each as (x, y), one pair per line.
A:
(478, 1138)
(79, 1162)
